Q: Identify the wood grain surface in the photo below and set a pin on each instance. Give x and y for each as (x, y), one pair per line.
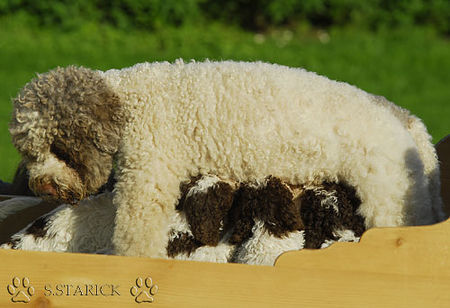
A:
(390, 267)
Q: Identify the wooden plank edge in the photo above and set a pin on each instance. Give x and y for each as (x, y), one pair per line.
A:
(398, 267)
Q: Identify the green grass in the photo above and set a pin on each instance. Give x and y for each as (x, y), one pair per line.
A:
(410, 67)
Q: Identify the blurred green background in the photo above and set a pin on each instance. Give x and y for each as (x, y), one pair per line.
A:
(398, 49)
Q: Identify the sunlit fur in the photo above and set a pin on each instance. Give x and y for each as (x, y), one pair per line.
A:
(165, 123)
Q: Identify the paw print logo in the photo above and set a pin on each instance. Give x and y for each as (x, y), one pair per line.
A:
(144, 290)
(20, 290)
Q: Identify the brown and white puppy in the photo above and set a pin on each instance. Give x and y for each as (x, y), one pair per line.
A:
(216, 221)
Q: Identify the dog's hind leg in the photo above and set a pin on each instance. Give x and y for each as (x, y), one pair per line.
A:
(425, 148)
(393, 189)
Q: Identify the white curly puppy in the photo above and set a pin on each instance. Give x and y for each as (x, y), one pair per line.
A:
(166, 123)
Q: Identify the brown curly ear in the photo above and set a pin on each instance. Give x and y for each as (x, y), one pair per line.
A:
(99, 110)
(108, 116)
(66, 103)
(94, 116)
(106, 135)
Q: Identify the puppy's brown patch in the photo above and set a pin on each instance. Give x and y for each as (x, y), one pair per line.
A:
(273, 203)
(321, 221)
(277, 208)
(349, 203)
(206, 211)
(182, 243)
(39, 227)
(242, 213)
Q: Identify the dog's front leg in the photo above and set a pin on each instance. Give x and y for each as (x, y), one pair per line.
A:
(145, 204)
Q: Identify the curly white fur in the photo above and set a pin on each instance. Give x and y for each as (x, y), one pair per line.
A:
(167, 123)
(244, 121)
(264, 249)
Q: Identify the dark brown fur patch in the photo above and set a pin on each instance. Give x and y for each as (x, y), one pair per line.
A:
(273, 204)
(182, 243)
(206, 212)
(241, 213)
(320, 222)
(39, 227)
(348, 204)
(277, 208)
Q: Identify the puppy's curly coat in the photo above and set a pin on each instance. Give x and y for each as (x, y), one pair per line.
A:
(164, 123)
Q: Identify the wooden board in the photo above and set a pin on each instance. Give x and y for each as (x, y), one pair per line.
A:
(391, 267)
